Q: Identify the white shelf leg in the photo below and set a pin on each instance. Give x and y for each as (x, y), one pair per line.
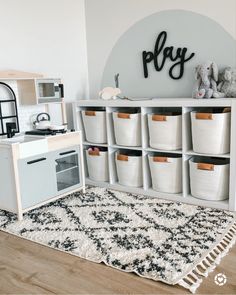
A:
(15, 157)
(232, 188)
(112, 165)
(146, 172)
(144, 124)
(110, 128)
(76, 114)
(82, 163)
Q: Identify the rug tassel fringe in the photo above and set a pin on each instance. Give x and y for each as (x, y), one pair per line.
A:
(193, 279)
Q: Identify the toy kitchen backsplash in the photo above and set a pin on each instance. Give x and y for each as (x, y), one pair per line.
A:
(26, 113)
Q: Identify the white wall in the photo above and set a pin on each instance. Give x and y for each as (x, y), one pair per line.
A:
(107, 20)
(48, 37)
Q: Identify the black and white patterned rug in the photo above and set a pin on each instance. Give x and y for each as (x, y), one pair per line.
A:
(161, 240)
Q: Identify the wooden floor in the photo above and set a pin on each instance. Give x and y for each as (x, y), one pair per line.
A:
(28, 268)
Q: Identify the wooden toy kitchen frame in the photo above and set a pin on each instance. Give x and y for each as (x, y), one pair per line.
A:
(186, 105)
(36, 170)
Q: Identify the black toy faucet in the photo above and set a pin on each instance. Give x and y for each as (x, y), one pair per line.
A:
(11, 129)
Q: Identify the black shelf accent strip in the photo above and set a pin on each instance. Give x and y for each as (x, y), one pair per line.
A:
(1, 120)
(66, 153)
(7, 117)
(36, 161)
(6, 100)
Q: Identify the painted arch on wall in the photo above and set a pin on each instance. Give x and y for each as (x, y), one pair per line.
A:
(198, 33)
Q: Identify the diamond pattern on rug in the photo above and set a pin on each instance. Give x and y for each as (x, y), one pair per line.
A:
(157, 239)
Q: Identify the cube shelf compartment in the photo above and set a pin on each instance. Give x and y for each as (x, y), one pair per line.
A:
(185, 106)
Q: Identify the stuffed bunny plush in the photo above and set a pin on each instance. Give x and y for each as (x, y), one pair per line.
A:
(227, 85)
(109, 93)
(206, 75)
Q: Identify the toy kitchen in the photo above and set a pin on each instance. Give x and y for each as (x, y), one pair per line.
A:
(44, 163)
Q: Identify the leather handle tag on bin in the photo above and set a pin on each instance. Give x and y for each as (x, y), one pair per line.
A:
(204, 116)
(90, 113)
(123, 116)
(94, 152)
(205, 166)
(226, 110)
(159, 118)
(160, 159)
(122, 158)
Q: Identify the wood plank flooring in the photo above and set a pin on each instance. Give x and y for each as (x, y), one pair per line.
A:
(29, 268)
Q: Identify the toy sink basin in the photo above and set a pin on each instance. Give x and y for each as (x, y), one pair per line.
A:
(28, 145)
(20, 139)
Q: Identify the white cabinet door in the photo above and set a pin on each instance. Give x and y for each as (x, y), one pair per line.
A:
(68, 169)
(37, 179)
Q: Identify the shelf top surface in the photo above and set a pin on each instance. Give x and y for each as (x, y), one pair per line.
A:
(157, 102)
(10, 79)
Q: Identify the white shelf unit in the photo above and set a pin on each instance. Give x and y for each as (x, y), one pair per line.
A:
(185, 105)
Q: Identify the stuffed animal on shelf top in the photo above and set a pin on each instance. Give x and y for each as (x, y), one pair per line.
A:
(111, 92)
(227, 83)
(206, 75)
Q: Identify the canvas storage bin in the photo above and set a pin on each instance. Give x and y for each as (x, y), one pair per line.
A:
(211, 132)
(95, 126)
(165, 131)
(166, 173)
(129, 168)
(209, 178)
(97, 163)
(127, 127)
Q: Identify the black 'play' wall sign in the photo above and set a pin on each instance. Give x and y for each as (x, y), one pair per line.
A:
(162, 53)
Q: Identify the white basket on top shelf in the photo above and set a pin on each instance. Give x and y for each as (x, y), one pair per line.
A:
(211, 132)
(95, 126)
(165, 131)
(127, 128)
